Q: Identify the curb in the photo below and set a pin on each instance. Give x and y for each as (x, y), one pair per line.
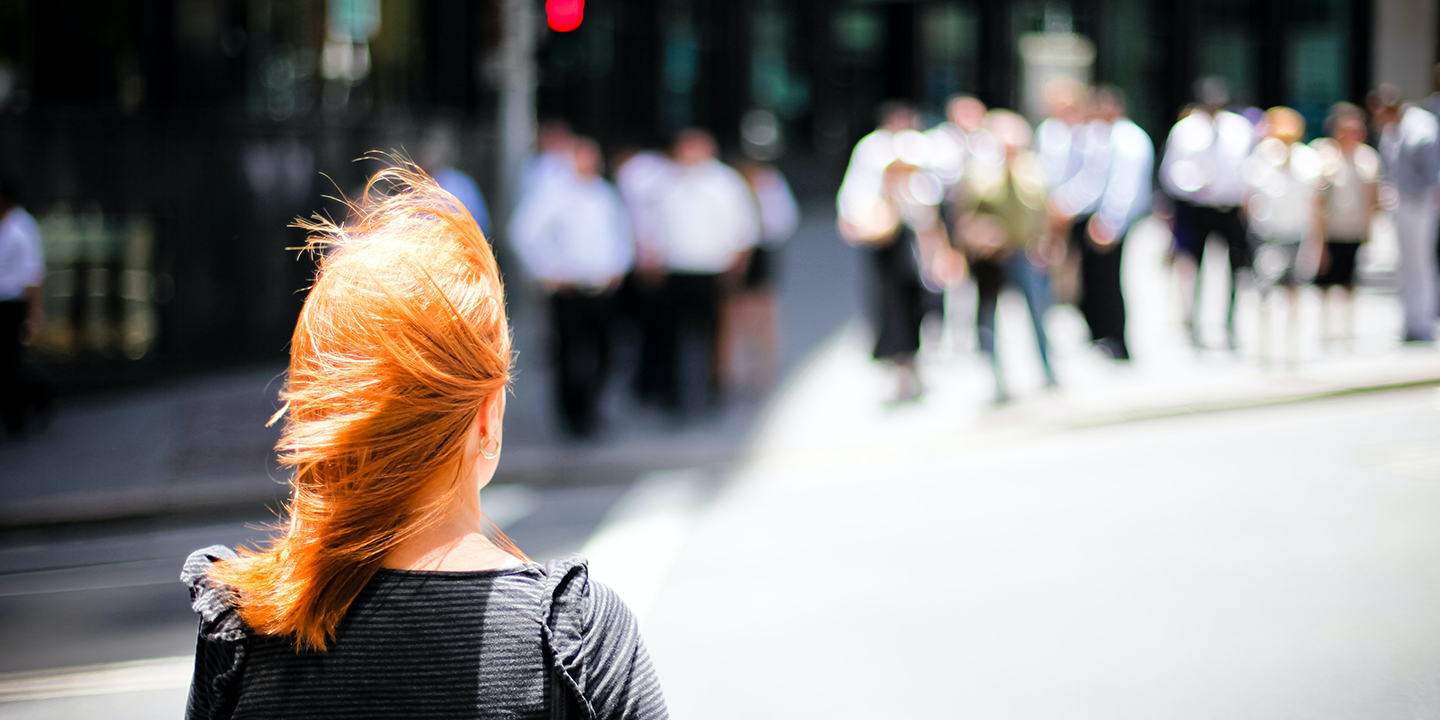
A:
(531, 466)
(555, 467)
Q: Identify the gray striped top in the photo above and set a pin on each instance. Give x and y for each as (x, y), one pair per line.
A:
(506, 643)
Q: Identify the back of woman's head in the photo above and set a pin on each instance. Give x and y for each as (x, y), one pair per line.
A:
(402, 336)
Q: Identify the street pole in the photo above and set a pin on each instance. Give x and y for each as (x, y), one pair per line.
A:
(519, 77)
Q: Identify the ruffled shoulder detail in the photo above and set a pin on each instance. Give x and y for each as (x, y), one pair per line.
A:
(564, 607)
(214, 603)
(592, 642)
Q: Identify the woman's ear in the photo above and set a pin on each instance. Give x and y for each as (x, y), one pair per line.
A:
(490, 420)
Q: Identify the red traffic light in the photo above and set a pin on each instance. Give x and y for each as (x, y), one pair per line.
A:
(564, 15)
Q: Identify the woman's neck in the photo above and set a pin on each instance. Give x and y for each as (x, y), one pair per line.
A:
(457, 543)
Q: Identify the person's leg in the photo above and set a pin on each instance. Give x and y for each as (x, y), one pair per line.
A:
(671, 312)
(1202, 224)
(1035, 286)
(592, 357)
(1346, 254)
(1327, 334)
(989, 278)
(1263, 311)
(1232, 227)
(564, 341)
(709, 299)
(1347, 317)
(1087, 299)
(696, 306)
(1102, 286)
(1292, 325)
(1430, 281)
(12, 390)
(1414, 224)
(653, 377)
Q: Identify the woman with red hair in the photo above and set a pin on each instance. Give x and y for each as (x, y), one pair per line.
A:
(384, 596)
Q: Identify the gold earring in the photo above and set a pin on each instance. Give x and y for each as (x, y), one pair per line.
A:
(492, 454)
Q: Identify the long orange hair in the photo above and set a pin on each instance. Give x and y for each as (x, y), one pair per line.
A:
(402, 336)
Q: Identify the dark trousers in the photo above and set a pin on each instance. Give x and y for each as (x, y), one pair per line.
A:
(644, 304)
(693, 307)
(991, 275)
(14, 390)
(1102, 303)
(1194, 224)
(580, 325)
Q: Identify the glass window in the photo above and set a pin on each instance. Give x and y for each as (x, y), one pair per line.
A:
(951, 34)
(1316, 55)
(1227, 47)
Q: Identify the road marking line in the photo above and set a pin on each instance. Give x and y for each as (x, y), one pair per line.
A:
(637, 542)
(166, 673)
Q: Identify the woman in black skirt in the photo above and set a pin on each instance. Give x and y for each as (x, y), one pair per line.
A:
(889, 205)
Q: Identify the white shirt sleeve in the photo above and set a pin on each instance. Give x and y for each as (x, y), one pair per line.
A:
(622, 240)
(746, 214)
(1127, 188)
(779, 214)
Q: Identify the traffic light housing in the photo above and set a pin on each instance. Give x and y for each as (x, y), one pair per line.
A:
(564, 15)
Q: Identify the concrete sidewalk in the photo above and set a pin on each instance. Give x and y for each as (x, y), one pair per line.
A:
(1278, 562)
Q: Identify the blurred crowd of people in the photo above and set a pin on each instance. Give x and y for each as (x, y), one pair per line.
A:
(984, 195)
(681, 244)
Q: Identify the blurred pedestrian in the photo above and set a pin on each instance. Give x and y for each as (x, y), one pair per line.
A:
(552, 162)
(1128, 156)
(437, 159)
(952, 142)
(641, 177)
(955, 145)
(574, 238)
(386, 592)
(705, 227)
(1074, 154)
(1410, 148)
(1431, 103)
(750, 352)
(1005, 234)
(1348, 201)
(1203, 173)
(1283, 175)
(22, 312)
(889, 204)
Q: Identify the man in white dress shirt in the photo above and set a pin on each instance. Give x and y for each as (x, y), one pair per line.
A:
(642, 176)
(1103, 200)
(22, 270)
(705, 226)
(574, 237)
(1410, 148)
(553, 162)
(1203, 172)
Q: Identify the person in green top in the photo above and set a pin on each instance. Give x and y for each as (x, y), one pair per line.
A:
(1004, 232)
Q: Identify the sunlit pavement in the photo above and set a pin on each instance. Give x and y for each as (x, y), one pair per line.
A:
(1276, 562)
